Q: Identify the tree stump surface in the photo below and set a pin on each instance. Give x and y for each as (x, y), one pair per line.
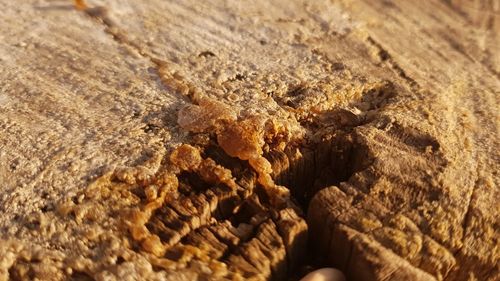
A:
(259, 140)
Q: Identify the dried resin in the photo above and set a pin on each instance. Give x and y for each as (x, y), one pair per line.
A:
(206, 114)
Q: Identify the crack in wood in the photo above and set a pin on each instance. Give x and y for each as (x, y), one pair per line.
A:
(385, 57)
(169, 81)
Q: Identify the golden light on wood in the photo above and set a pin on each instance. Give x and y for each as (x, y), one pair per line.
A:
(80, 4)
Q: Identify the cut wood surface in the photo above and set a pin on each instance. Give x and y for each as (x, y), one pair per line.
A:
(235, 140)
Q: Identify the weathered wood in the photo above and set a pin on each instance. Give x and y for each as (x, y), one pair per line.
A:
(184, 140)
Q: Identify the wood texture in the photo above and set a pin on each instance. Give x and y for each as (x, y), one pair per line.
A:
(185, 140)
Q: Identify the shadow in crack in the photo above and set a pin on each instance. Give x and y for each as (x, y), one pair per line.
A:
(330, 158)
(332, 153)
